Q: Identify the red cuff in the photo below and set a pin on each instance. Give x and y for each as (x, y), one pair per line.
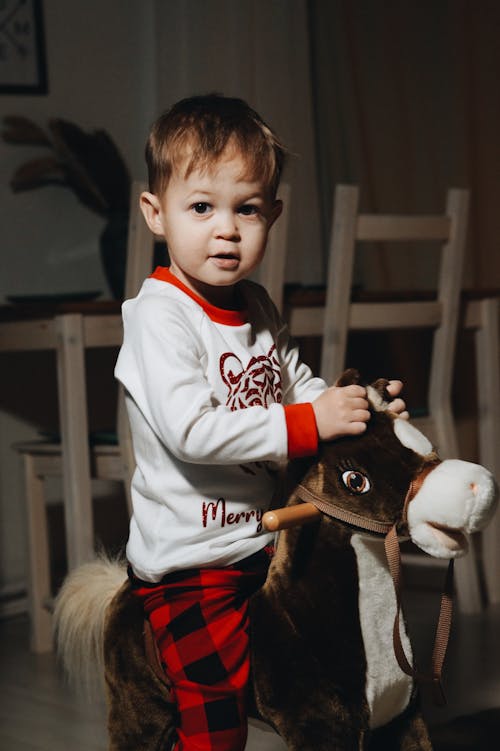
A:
(302, 430)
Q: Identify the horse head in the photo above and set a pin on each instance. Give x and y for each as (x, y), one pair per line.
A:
(392, 476)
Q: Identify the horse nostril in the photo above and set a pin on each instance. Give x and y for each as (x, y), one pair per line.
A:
(473, 487)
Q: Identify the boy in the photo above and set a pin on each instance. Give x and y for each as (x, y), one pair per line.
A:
(217, 399)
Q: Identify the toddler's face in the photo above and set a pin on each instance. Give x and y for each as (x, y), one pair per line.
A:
(216, 223)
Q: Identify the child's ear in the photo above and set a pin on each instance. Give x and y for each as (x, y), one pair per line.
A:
(151, 209)
(276, 210)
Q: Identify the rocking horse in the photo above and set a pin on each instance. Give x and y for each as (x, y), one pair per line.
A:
(331, 660)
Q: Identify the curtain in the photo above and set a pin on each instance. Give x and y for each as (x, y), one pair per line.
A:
(407, 104)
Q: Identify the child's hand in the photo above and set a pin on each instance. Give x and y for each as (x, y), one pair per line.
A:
(342, 410)
(397, 405)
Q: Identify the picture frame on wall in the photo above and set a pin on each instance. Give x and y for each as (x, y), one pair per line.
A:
(23, 67)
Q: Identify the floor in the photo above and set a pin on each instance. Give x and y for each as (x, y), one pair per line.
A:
(39, 713)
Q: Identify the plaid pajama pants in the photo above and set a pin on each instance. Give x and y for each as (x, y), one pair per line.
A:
(199, 620)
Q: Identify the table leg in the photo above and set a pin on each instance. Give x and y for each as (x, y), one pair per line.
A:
(74, 438)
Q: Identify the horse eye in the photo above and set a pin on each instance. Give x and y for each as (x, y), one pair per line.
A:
(355, 481)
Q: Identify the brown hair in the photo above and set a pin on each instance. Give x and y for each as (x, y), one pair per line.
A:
(197, 130)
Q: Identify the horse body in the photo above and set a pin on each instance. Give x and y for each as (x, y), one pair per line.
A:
(326, 675)
(387, 689)
(324, 669)
(327, 610)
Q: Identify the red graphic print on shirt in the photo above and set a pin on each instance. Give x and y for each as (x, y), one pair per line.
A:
(259, 383)
(215, 512)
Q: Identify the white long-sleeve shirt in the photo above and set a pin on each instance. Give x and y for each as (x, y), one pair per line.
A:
(216, 399)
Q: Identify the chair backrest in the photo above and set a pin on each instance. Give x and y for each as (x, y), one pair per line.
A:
(140, 252)
(272, 269)
(448, 229)
(340, 315)
(140, 244)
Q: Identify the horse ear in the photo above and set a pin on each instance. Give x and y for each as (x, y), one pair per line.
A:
(348, 377)
(380, 386)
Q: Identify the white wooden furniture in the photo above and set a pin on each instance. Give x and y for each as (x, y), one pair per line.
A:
(449, 230)
(340, 315)
(272, 268)
(483, 316)
(67, 335)
(70, 334)
(73, 458)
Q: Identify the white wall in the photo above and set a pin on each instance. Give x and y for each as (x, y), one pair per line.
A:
(100, 58)
(100, 68)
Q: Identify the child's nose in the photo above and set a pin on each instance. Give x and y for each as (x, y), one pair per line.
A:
(227, 226)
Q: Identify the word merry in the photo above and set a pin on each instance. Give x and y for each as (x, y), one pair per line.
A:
(217, 510)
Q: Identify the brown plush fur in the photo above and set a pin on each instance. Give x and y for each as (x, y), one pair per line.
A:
(308, 657)
(140, 714)
(300, 655)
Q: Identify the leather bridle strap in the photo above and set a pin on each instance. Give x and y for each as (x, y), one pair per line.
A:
(393, 555)
(442, 635)
(342, 514)
(443, 628)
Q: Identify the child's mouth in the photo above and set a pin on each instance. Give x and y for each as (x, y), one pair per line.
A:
(226, 261)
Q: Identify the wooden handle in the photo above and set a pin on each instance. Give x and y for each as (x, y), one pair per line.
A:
(290, 516)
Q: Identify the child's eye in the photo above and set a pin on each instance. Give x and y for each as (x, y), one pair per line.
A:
(248, 209)
(201, 207)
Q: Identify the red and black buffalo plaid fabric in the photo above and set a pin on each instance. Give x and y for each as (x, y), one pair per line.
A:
(199, 619)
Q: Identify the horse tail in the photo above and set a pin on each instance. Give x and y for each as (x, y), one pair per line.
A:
(80, 614)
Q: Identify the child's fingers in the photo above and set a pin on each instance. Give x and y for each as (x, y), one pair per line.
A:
(394, 387)
(404, 415)
(360, 415)
(355, 428)
(358, 403)
(397, 405)
(354, 390)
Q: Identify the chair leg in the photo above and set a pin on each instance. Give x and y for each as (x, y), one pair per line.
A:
(39, 584)
(467, 574)
(467, 582)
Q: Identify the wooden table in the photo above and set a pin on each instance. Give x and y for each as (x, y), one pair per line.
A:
(70, 328)
(67, 329)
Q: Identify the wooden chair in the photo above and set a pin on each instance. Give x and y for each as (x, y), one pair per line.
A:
(441, 314)
(340, 315)
(272, 268)
(42, 459)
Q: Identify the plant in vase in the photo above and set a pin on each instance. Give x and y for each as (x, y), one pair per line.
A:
(89, 164)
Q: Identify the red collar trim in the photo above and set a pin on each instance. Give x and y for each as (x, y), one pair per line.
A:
(217, 315)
